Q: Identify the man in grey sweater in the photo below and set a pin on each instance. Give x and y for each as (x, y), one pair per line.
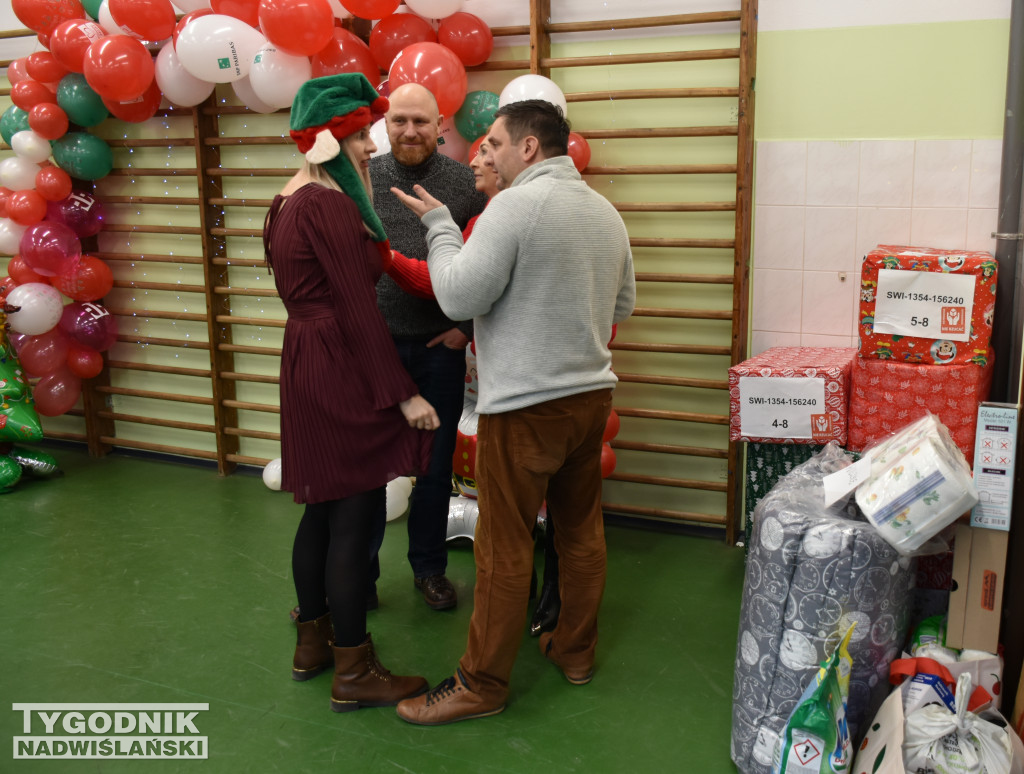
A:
(545, 275)
(432, 347)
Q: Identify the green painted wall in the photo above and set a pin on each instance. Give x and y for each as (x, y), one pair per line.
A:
(911, 81)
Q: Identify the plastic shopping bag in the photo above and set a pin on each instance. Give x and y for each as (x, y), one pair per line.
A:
(942, 742)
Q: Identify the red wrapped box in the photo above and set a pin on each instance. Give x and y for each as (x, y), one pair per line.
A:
(791, 395)
(925, 305)
(885, 396)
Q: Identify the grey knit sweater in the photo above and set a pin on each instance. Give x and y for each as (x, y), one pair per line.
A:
(408, 316)
(544, 275)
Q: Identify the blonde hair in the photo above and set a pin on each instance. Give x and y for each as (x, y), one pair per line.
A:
(321, 176)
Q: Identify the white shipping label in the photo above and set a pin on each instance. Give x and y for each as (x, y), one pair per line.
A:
(842, 482)
(995, 465)
(927, 304)
(782, 407)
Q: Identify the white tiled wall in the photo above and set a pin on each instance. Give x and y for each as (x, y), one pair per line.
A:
(820, 206)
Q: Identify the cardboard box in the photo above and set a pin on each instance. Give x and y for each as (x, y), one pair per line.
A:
(926, 305)
(886, 395)
(791, 395)
(976, 601)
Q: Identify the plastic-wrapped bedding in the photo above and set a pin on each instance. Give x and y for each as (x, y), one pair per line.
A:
(811, 572)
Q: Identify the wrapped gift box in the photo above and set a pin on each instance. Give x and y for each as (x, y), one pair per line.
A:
(946, 320)
(885, 396)
(791, 395)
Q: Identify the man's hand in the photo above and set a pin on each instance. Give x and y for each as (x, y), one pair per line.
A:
(453, 339)
(421, 206)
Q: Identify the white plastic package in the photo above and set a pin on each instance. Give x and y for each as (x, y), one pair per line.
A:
(938, 740)
(919, 484)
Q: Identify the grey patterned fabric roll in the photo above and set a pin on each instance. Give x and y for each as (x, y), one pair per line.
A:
(812, 572)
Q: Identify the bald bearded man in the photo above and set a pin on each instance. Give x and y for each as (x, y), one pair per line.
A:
(431, 346)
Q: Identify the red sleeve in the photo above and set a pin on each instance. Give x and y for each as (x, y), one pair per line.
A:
(411, 275)
(344, 250)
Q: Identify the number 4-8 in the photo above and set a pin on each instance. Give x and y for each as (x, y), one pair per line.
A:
(784, 423)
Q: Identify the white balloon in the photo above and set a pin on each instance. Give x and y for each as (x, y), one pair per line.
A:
(191, 5)
(379, 135)
(243, 90)
(17, 173)
(218, 48)
(533, 87)
(434, 9)
(398, 492)
(339, 11)
(106, 21)
(178, 84)
(276, 76)
(450, 143)
(10, 236)
(41, 308)
(272, 474)
(30, 146)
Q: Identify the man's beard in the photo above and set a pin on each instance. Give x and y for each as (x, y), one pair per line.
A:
(412, 156)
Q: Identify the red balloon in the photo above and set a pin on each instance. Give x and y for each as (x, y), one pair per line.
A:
(607, 460)
(44, 67)
(246, 10)
(26, 207)
(136, 110)
(22, 273)
(43, 354)
(16, 70)
(118, 67)
(611, 428)
(7, 284)
(5, 194)
(299, 27)
(53, 183)
(395, 32)
(48, 120)
(345, 53)
(44, 15)
(71, 39)
(579, 151)
(148, 19)
(90, 280)
(183, 22)
(371, 9)
(464, 458)
(44, 39)
(28, 93)
(84, 362)
(468, 36)
(57, 393)
(435, 67)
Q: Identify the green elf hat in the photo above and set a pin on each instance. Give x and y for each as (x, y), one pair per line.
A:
(329, 109)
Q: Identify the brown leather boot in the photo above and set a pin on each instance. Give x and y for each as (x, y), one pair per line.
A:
(360, 680)
(313, 652)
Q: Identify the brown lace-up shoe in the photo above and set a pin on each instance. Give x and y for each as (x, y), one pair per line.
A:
(448, 702)
(360, 680)
(574, 676)
(438, 592)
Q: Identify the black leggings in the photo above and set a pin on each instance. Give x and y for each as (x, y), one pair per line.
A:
(331, 561)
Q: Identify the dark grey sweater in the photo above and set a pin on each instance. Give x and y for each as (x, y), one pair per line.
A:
(452, 183)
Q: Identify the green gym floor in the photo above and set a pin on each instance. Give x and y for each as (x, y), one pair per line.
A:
(134, 580)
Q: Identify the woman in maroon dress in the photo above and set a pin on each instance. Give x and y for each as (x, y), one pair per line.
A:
(351, 417)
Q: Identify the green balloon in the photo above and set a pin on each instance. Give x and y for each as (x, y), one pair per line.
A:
(19, 421)
(92, 7)
(33, 461)
(83, 155)
(476, 115)
(10, 472)
(12, 378)
(83, 105)
(13, 120)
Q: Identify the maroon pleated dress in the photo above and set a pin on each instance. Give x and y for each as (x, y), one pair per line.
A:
(341, 380)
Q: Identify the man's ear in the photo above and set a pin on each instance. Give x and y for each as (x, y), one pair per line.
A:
(530, 149)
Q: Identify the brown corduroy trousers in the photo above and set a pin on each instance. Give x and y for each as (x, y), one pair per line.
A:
(551, 450)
